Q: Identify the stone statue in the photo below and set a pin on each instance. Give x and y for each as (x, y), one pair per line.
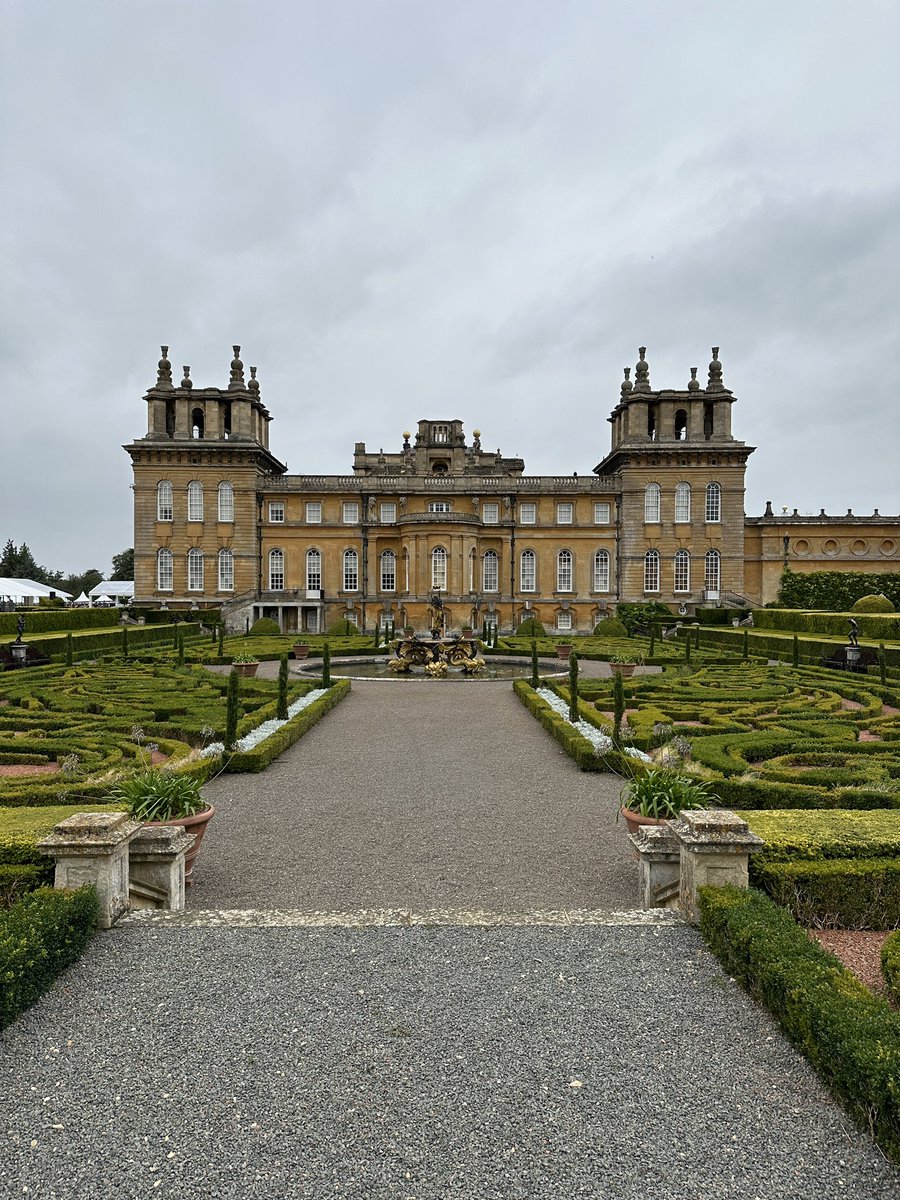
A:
(20, 627)
(854, 632)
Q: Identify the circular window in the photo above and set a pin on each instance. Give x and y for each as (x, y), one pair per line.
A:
(859, 546)
(830, 547)
(801, 546)
(888, 546)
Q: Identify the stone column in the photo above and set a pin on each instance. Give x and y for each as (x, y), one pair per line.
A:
(715, 845)
(92, 848)
(156, 866)
(660, 866)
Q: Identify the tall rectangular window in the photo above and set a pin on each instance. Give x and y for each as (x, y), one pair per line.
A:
(351, 512)
(226, 502)
(276, 570)
(682, 571)
(601, 513)
(682, 503)
(276, 512)
(564, 571)
(195, 501)
(351, 571)
(164, 572)
(564, 620)
(651, 571)
(565, 514)
(195, 570)
(527, 571)
(527, 514)
(490, 513)
(164, 500)
(226, 571)
(490, 572)
(388, 513)
(313, 512)
(388, 571)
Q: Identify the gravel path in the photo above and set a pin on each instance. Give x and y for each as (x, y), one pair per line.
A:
(416, 795)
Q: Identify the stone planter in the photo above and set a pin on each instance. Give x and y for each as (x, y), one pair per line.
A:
(196, 826)
(623, 669)
(301, 650)
(563, 650)
(248, 670)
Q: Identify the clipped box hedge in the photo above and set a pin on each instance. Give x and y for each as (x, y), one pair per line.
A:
(790, 836)
(851, 1036)
(880, 627)
(575, 744)
(53, 620)
(41, 935)
(257, 759)
(836, 893)
(890, 967)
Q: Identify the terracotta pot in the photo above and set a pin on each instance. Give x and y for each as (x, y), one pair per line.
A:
(248, 670)
(624, 669)
(197, 826)
(563, 651)
(634, 820)
(301, 650)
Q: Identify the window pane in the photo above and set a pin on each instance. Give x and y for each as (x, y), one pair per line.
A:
(564, 571)
(682, 571)
(276, 513)
(601, 513)
(351, 513)
(164, 501)
(439, 569)
(712, 570)
(164, 572)
(351, 571)
(564, 514)
(601, 571)
(490, 572)
(195, 570)
(528, 514)
(439, 506)
(313, 569)
(388, 571)
(527, 571)
(682, 502)
(651, 504)
(226, 571)
(388, 512)
(313, 512)
(195, 502)
(226, 502)
(651, 571)
(490, 514)
(564, 620)
(276, 570)
(713, 502)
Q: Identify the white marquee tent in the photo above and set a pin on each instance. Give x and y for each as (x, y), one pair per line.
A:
(26, 591)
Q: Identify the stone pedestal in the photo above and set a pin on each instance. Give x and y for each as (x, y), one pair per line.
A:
(156, 866)
(92, 848)
(714, 846)
(660, 866)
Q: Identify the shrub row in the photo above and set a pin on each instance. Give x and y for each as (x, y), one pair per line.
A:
(890, 967)
(879, 628)
(795, 835)
(112, 641)
(260, 756)
(836, 591)
(574, 744)
(851, 1036)
(63, 619)
(774, 645)
(41, 935)
(845, 893)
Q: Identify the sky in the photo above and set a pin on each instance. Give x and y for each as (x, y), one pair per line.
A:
(473, 211)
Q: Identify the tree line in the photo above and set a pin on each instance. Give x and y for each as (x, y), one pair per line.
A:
(17, 562)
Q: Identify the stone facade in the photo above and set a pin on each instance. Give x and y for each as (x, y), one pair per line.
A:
(218, 521)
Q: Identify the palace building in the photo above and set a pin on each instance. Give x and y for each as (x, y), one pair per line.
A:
(219, 521)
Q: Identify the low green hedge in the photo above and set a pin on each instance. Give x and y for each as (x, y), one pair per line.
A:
(790, 836)
(851, 1036)
(257, 759)
(880, 627)
(575, 744)
(835, 591)
(18, 878)
(60, 620)
(844, 893)
(41, 935)
(890, 967)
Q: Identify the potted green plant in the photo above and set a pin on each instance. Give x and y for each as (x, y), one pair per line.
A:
(159, 797)
(654, 796)
(563, 650)
(301, 649)
(624, 664)
(245, 664)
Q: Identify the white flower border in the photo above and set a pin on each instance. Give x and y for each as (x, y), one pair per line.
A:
(265, 730)
(601, 742)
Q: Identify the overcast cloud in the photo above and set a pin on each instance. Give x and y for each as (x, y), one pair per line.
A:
(472, 210)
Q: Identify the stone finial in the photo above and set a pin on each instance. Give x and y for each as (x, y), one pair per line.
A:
(164, 369)
(627, 385)
(253, 385)
(715, 372)
(694, 384)
(769, 512)
(187, 382)
(476, 439)
(642, 371)
(237, 370)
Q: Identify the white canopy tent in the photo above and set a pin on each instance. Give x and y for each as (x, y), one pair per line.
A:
(112, 591)
(27, 591)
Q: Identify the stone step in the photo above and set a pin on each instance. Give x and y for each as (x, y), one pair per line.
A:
(361, 918)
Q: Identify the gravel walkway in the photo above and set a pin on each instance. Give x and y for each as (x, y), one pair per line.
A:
(418, 795)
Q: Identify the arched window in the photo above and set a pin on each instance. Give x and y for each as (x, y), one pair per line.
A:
(195, 570)
(197, 423)
(226, 571)
(713, 502)
(276, 570)
(226, 501)
(195, 501)
(388, 571)
(564, 571)
(164, 570)
(164, 501)
(651, 504)
(490, 571)
(527, 571)
(681, 421)
(600, 573)
(313, 569)
(682, 571)
(351, 571)
(651, 571)
(682, 503)
(439, 569)
(712, 572)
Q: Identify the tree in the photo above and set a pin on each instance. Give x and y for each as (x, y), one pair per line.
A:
(123, 565)
(18, 563)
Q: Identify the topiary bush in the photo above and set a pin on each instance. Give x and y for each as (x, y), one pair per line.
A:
(532, 628)
(873, 604)
(265, 627)
(342, 628)
(610, 627)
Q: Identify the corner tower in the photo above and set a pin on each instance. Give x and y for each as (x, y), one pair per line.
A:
(681, 472)
(197, 471)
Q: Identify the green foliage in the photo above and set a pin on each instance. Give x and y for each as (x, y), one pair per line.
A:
(664, 794)
(890, 967)
(638, 617)
(41, 935)
(873, 604)
(835, 624)
(795, 651)
(535, 678)
(342, 628)
(531, 628)
(233, 709)
(257, 759)
(575, 744)
(618, 707)
(16, 879)
(265, 627)
(123, 565)
(610, 627)
(795, 835)
(69, 654)
(282, 709)
(326, 665)
(221, 639)
(573, 686)
(60, 619)
(835, 591)
(155, 795)
(851, 1036)
(845, 893)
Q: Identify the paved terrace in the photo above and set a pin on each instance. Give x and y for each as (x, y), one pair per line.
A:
(287, 1054)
